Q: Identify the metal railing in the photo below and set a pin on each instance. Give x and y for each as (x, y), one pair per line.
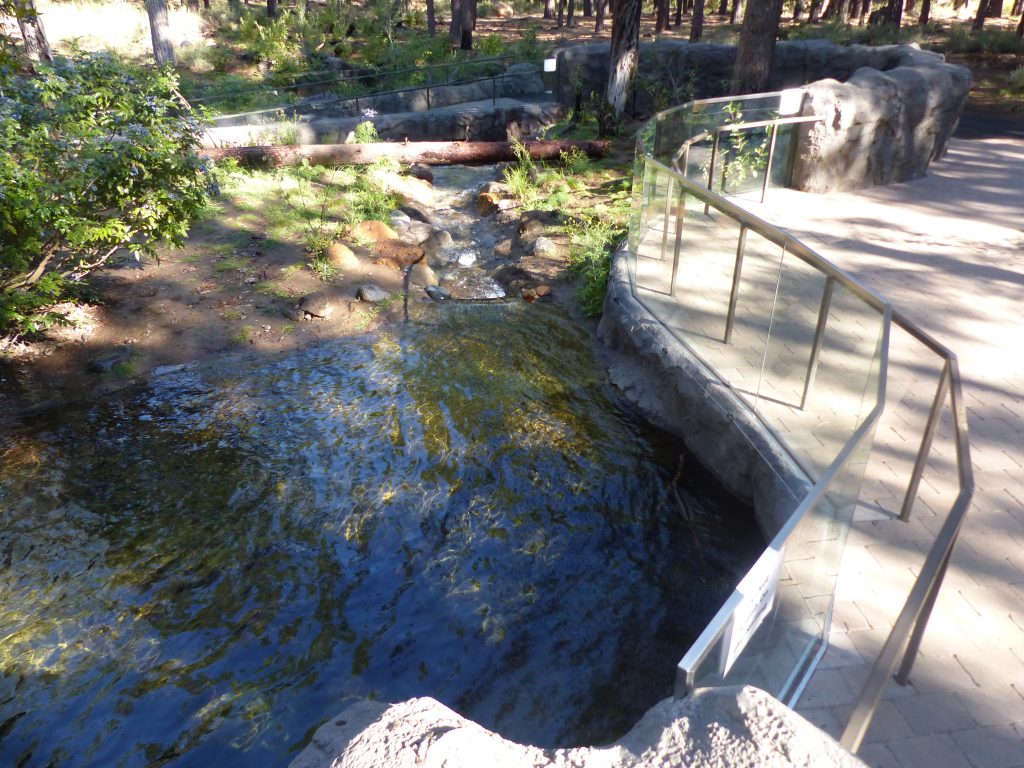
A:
(793, 314)
(346, 78)
(370, 97)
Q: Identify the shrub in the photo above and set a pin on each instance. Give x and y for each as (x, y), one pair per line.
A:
(366, 133)
(590, 243)
(96, 157)
(1015, 80)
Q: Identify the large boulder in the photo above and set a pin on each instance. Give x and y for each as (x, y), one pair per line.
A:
(713, 727)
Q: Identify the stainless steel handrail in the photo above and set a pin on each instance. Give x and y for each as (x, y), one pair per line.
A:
(908, 630)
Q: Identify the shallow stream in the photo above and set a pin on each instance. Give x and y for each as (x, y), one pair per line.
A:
(202, 570)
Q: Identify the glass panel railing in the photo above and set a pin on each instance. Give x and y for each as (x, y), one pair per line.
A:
(801, 348)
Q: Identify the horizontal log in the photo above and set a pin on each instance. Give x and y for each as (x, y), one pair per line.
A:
(425, 152)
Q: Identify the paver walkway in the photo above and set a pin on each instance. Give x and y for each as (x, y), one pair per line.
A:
(948, 252)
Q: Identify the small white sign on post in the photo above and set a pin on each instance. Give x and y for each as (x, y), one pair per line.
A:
(758, 589)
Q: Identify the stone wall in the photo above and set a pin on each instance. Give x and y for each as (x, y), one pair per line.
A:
(677, 392)
(891, 117)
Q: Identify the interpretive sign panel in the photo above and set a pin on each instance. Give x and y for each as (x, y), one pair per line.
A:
(758, 596)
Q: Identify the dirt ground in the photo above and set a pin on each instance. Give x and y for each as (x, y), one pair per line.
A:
(229, 288)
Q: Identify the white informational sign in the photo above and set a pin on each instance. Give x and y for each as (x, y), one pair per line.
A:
(791, 101)
(758, 590)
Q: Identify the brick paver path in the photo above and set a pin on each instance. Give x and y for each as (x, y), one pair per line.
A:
(948, 252)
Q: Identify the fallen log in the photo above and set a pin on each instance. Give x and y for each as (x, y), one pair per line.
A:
(425, 152)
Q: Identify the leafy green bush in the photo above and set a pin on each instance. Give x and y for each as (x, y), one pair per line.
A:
(1015, 80)
(96, 157)
(272, 41)
(845, 34)
(590, 245)
(492, 45)
(366, 133)
(962, 39)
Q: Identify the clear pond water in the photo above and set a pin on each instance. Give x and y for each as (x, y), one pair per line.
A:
(202, 571)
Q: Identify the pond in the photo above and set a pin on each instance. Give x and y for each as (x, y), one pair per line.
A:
(202, 570)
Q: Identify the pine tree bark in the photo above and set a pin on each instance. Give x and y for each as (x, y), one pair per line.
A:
(271, 9)
(160, 31)
(549, 9)
(460, 32)
(679, 13)
(737, 11)
(625, 52)
(697, 22)
(599, 17)
(757, 46)
(32, 33)
(431, 19)
(661, 15)
(979, 17)
(926, 12)
(588, 9)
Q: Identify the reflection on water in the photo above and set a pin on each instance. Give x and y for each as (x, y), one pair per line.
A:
(217, 563)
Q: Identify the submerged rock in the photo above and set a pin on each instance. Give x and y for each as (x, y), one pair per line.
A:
(372, 294)
(437, 293)
(421, 274)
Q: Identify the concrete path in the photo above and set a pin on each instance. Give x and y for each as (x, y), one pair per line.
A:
(948, 252)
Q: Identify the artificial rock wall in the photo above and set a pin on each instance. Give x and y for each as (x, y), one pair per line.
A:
(888, 110)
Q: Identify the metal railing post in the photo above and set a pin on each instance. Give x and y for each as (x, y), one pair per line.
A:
(734, 295)
(711, 169)
(819, 339)
(668, 201)
(774, 129)
(680, 218)
(926, 444)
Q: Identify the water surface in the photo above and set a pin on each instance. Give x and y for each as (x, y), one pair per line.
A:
(201, 571)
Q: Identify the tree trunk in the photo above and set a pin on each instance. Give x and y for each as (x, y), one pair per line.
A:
(926, 12)
(427, 152)
(979, 18)
(679, 13)
(798, 10)
(661, 11)
(757, 46)
(32, 33)
(995, 9)
(163, 49)
(560, 16)
(271, 9)
(625, 51)
(588, 9)
(570, 20)
(1018, 7)
(1020, 26)
(206, 4)
(723, 8)
(460, 32)
(737, 11)
(602, 12)
(815, 11)
(697, 22)
(549, 9)
(431, 19)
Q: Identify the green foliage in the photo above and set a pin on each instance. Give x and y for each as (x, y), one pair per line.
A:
(840, 33)
(321, 267)
(492, 45)
(1015, 80)
(521, 177)
(591, 241)
(366, 133)
(962, 39)
(575, 162)
(365, 200)
(272, 41)
(96, 157)
(744, 155)
(528, 47)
